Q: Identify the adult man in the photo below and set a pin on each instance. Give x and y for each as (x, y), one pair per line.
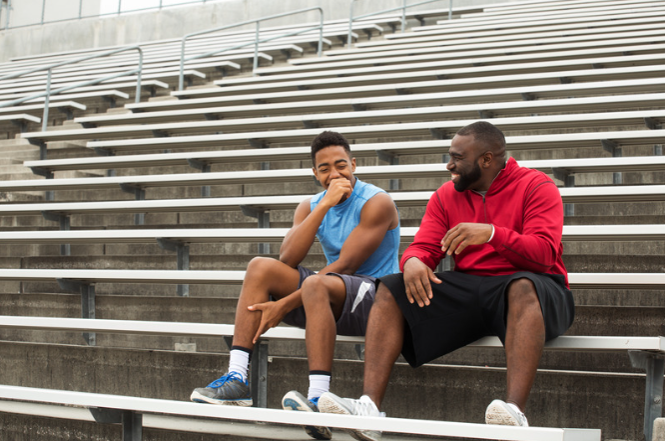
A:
(502, 224)
(357, 225)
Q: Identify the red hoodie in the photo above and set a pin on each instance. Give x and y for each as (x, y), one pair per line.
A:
(525, 208)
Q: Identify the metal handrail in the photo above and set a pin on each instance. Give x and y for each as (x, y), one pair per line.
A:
(50, 68)
(255, 42)
(403, 8)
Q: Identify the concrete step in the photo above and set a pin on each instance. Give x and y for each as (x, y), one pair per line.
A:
(454, 393)
(590, 320)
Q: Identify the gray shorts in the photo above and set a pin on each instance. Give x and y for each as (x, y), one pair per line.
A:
(360, 291)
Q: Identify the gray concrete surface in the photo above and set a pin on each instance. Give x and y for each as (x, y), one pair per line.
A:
(168, 23)
(659, 429)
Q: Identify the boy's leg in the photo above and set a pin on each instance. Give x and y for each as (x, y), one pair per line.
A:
(323, 298)
(265, 277)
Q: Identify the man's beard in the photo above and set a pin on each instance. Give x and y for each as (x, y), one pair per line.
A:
(466, 179)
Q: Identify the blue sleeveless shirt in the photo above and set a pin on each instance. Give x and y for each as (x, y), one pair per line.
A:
(341, 219)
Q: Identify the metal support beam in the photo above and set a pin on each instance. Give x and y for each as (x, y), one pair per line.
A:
(615, 150)
(87, 292)
(65, 225)
(257, 143)
(132, 422)
(568, 181)
(139, 194)
(205, 168)
(438, 133)
(652, 124)
(263, 217)
(654, 365)
(658, 150)
(182, 252)
(392, 159)
(259, 374)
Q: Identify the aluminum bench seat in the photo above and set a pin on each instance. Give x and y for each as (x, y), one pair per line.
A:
(565, 166)
(490, 58)
(137, 409)
(94, 93)
(627, 193)
(554, 141)
(37, 109)
(523, 73)
(504, 111)
(367, 57)
(436, 129)
(460, 28)
(532, 86)
(586, 233)
(371, 109)
(187, 112)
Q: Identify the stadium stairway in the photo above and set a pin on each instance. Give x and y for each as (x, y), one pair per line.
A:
(554, 99)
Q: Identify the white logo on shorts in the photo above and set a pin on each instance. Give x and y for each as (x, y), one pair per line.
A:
(364, 287)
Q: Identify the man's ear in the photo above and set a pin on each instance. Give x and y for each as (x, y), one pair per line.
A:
(353, 165)
(487, 158)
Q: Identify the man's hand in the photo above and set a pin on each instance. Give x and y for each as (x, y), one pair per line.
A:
(272, 313)
(417, 278)
(463, 235)
(338, 190)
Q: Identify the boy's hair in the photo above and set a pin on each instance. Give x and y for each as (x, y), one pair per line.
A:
(486, 133)
(327, 139)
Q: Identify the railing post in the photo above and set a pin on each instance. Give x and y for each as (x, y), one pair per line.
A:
(450, 9)
(80, 9)
(47, 100)
(319, 52)
(8, 8)
(256, 49)
(43, 10)
(119, 6)
(348, 38)
(404, 16)
(137, 98)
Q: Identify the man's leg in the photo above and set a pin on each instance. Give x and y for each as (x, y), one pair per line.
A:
(383, 343)
(525, 338)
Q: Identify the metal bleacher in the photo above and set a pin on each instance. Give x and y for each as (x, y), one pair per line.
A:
(127, 224)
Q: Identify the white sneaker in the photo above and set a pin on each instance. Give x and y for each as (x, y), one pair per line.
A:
(505, 414)
(331, 403)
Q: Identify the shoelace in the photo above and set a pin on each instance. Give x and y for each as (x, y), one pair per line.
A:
(225, 379)
(364, 408)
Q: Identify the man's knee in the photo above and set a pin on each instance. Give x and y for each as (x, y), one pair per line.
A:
(522, 295)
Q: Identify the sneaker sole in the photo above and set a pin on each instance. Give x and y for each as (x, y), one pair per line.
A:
(198, 398)
(496, 414)
(331, 406)
(316, 432)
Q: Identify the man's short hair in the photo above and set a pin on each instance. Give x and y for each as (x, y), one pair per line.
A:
(486, 133)
(327, 139)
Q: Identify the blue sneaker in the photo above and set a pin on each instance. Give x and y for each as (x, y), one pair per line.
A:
(294, 400)
(228, 389)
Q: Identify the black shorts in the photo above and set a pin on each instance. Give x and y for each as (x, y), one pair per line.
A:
(360, 292)
(465, 308)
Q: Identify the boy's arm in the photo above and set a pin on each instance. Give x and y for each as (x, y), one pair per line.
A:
(377, 217)
(306, 223)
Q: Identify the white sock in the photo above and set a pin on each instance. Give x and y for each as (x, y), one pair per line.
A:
(239, 362)
(318, 385)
